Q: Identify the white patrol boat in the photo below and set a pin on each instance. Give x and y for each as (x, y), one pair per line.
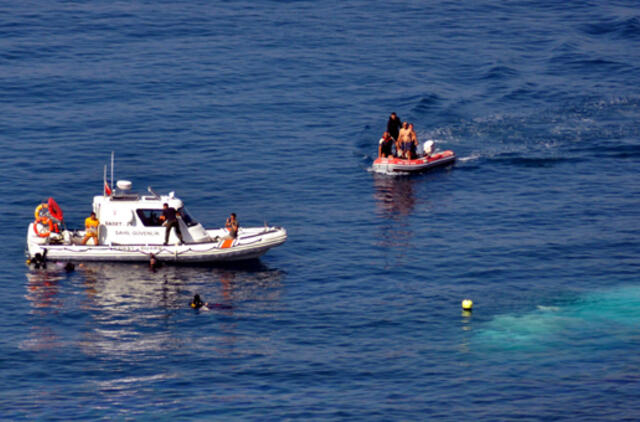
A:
(130, 229)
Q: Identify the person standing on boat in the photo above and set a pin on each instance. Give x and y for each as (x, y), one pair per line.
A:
(402, 143)
(91, 224)
(170, 218)
(232, 226)
(393, 126)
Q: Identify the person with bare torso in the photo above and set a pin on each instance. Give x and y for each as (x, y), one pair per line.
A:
(401, 142)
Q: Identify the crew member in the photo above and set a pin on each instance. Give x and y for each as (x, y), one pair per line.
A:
(91, 224)
(393, 126)
(170, 219)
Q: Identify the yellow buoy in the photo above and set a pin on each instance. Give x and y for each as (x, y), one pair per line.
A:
(467, 304)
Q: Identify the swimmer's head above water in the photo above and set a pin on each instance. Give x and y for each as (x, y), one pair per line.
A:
(197, 303)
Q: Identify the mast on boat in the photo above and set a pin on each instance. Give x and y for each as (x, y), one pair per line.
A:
(108, 187)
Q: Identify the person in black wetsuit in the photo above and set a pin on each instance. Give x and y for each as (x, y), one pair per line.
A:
(197, 303)
(393, 126)
(384, 146)
(170, 218)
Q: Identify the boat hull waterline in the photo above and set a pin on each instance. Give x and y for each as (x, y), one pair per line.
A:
(250, 244)
(399, 165)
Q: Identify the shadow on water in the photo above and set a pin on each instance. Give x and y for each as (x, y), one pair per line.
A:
(395, 202)
(233, 281)
(129, 307)
(43, 287)
(395, 196)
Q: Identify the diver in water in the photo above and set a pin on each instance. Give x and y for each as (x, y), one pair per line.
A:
(39, 260)
(197, 303)
(154, 264)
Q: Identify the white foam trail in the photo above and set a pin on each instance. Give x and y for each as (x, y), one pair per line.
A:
(386, 173)
(469, 158)
(548, 308)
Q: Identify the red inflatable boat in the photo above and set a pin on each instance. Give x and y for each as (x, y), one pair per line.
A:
(400, 165)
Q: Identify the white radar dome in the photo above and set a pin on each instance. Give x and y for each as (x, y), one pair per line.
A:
(123, 184)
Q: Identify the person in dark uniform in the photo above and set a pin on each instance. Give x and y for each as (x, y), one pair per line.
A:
(384, 146)
(170, 218)
(393, 126)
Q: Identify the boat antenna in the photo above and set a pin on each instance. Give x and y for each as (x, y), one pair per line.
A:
(152, 192)
(112, 170)
(104, 181)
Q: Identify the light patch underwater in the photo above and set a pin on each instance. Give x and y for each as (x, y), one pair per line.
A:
(598, 319)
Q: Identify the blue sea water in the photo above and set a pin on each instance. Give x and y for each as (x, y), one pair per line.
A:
(273, 110)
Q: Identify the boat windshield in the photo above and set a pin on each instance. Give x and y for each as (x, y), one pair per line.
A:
(188, 220)
(151, 217)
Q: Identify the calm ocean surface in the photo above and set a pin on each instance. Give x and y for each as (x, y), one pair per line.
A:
(273, 110)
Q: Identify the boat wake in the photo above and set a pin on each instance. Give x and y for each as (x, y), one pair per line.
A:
(387, 172)
(471, 157)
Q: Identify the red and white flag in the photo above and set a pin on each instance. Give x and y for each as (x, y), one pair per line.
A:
(107, 189)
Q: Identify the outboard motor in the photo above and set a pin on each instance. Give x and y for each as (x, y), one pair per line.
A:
(428, 147)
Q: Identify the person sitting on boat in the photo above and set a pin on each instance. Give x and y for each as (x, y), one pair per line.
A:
(393, 126)
(170, 218)
(91, 224)
(232, 226)
(384, 146)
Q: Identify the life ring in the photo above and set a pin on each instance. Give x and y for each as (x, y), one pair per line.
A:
(44, 221)
(41, 211)
(54, 209)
